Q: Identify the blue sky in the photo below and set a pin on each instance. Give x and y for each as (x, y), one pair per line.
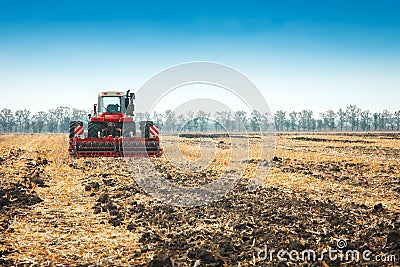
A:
(317, 55)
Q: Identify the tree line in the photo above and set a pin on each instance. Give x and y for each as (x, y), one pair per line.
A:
(351, 118)
(53, 121)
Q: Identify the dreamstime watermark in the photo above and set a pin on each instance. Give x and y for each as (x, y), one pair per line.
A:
(340, 253)
(153, 180)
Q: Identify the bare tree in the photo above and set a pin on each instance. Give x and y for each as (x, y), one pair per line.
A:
(225, 119)
(38, 121)
(266, 122)
(342, 119)
(18, 119)
(170, 121)
(397, 118)
(307, 121)
(294, 120)
(7, 120)
(386, 120)
(353, 113)
(158, 119)
(201, 121)
(329, 119)
(241, 120)
(180, 122)
(376, 121)
(280, 118)
(26, 120)
(320, 124)
(255, 121)
(365, 120)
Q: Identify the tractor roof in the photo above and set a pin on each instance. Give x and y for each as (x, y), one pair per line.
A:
(111, 93)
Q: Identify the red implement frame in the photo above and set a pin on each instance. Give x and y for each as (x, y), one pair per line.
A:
(115, 147)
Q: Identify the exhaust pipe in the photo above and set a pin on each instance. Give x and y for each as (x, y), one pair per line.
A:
(130, 107)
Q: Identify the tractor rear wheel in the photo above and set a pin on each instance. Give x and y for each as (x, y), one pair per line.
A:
(145, 128)
(94, 127)
(72, 125)
(128, 128)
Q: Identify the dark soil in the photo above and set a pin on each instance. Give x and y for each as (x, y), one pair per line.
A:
(231, 230)
(314, 139)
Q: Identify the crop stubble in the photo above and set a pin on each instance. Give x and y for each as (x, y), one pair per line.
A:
(59, 210)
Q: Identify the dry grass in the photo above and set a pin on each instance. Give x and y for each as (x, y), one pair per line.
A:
(64, 229)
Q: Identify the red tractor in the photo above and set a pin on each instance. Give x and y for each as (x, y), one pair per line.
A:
(112, 131)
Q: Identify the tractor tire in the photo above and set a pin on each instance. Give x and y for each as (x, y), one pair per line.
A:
(93, 128)
(72, 125)
(145, 128)
(128, 128)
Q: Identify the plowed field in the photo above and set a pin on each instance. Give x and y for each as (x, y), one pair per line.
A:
(320, 190)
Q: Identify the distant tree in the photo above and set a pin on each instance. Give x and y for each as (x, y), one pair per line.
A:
(387, 120)
(170, 121)
(26, 121)
(266, 122)
(391, 121)
(365, 121)
(280, 118)
(180, 122)
(79, 115)
(139, 116)
(375, 122)
(353, 113)
(201, 121)
(51, 121)
(38, 121)
(18, 119)
(307, 122)
(158, 120)
(320, 124)
(63, 117)
(287, 125)
(384, 120)
(241, 121)
(342, 119)
(225, 119)
(189, 122)
(293, 118)
(255, 121)
(397, 119)
(352, 118)
(7, 120)
(313, 124)
(329, 119)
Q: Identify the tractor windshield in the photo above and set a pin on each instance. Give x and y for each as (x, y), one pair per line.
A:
(110, 104)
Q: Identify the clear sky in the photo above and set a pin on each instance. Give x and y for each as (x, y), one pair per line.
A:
(316, 55)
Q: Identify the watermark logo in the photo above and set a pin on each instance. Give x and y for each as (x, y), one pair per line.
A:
(341, 244)
(341, 253)
(242, 148)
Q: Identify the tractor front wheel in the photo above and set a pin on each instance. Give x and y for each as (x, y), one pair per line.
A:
(94, 127)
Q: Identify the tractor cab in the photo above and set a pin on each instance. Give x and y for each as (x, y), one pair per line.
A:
(111, 102)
